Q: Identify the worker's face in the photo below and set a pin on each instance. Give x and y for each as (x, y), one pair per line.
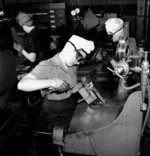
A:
(115, 36)
(26, 28)
(76, 57)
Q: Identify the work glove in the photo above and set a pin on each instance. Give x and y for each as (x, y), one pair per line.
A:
(61, 85)
(18, 47)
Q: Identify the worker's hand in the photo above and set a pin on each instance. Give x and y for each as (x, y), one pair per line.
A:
(61, 85)
(18, 47)
(89, 86)
(53, 46)
(76, 87)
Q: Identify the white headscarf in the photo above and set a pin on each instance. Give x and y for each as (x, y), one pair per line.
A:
(113, 24)
(80, 43)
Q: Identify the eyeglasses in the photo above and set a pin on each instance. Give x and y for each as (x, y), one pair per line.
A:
(79, 56)
(111, 34)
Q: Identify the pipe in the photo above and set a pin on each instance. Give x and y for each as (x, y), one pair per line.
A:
(130, 87)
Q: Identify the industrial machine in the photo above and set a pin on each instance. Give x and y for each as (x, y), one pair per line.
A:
(115, 130)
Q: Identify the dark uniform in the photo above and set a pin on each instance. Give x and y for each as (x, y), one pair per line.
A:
(7, 64)
(58, 107)
(30, 44)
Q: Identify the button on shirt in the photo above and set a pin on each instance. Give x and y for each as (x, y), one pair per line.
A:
(52, 68)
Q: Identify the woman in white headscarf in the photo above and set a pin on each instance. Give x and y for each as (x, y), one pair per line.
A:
(115, 30)
(55, 77)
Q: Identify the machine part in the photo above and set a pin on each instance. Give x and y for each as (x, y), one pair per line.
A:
(115, 73)
(122, 49)
(144, 107)
(58, 136)
(97, 140)
(122, 68)
(60, 151)
(113, 63)
(141, 51)
(87, 90)
(136, 69)
(42, 133)
(141, 48)
(129, 87)
(99, 96)
(89, 97)
(144, 76)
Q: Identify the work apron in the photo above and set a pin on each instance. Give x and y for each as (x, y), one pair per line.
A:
(56, 113)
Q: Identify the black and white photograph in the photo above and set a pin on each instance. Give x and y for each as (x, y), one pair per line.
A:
(74, 77)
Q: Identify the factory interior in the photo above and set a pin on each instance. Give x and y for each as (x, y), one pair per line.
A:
(112, 118)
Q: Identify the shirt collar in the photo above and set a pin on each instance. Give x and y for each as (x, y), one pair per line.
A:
(57, 62)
